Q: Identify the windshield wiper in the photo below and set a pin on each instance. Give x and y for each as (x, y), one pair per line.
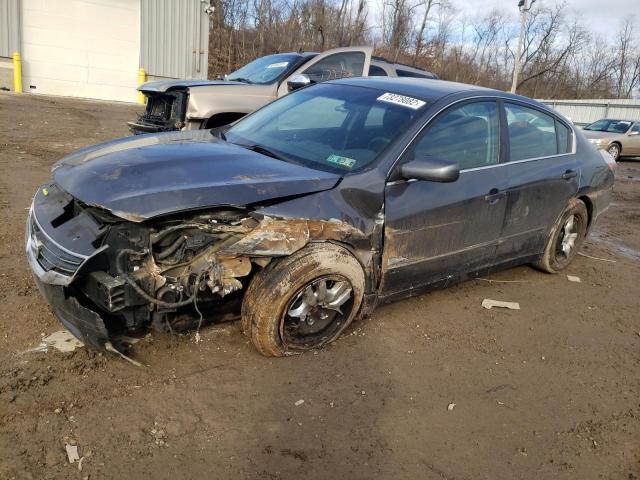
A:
(240, 79)
(263, 150)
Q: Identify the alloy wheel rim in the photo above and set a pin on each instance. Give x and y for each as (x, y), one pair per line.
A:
(613, 151)
(316, 312)
(568, 237)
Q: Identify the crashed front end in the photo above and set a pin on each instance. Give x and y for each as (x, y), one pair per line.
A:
(164, 112)
(106, 277)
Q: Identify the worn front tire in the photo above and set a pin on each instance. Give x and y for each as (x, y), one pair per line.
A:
(273, 291)
(565, 239)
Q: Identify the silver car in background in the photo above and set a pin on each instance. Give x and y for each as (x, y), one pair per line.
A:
(618, 137)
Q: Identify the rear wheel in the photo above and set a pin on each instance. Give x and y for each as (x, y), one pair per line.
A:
(565, 239)
(614, 151)
(303, 301)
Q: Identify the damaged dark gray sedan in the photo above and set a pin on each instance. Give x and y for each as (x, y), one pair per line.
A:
(305, 214)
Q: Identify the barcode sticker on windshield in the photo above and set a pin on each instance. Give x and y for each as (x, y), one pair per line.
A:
(278, 65)
(403, 100)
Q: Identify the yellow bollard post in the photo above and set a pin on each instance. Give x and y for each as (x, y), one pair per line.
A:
(142, 78)
(17, 73)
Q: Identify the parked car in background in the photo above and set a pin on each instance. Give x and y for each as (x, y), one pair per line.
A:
(618, 137)
(307, 213)
(195, 104)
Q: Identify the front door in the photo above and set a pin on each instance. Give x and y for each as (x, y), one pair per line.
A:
(435, 233)
(631, 144)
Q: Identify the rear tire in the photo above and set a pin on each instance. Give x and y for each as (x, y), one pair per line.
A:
(565, 239)
(303, 301)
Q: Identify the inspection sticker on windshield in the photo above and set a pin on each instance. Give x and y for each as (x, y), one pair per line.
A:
(403, 100)
(342, 161)
(278, 65)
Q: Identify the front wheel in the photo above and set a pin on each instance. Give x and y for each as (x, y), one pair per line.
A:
(565, 239)
(303, 301)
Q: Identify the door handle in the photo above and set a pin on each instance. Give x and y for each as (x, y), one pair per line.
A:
(494, 196)
(569, 174)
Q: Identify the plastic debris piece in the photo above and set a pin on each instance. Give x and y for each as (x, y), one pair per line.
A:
(451, 406)
(489, 304)
(299, 402)
(62, 340)
(573, 278)
(110, 348)
(72, 453)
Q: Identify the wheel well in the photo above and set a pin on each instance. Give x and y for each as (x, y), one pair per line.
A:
(618, 144)
(222, 119)
(589, 204)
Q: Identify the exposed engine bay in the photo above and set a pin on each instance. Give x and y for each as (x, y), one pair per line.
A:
(161, 271)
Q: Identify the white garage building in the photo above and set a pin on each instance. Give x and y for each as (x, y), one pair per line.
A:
(95, 48)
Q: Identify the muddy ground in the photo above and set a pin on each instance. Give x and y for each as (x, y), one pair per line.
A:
(551, 391)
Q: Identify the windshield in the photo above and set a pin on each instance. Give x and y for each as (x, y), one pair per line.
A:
(265, 69)
(612, 126)
(329, 127)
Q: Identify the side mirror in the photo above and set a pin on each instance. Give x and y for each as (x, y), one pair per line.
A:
(634, 133)
(298, 81)
(431, 169)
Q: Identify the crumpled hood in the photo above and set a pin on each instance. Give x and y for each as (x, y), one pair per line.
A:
(151, 175)
(164, 85)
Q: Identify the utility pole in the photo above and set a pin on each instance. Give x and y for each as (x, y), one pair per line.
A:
(524, 6)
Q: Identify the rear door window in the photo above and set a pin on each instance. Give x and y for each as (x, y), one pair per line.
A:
(532, 134)
(564, 139)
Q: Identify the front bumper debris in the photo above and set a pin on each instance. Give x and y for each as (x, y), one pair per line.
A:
(55, 267)
(138, 128)
(85, 324)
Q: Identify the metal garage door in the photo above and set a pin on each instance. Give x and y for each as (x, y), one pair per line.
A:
(81, 48)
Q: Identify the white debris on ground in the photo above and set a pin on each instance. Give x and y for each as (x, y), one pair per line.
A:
(451, 406)
(62, 340)
(72, 453)
(489, 304)
(573, 278)
(299, 402)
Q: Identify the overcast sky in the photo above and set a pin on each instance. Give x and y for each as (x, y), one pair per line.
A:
(602, 16)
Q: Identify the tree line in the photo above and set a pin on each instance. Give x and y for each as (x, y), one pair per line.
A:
(560, 58)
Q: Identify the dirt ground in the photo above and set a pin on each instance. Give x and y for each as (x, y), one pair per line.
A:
(548, 392)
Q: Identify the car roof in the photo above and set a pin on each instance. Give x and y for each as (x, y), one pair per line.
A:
(432, 90)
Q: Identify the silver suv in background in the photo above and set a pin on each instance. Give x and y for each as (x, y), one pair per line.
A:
(195, 104)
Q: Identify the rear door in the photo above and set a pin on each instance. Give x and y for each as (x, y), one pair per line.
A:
(334, 64)
(543, 174)
(435, 233)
